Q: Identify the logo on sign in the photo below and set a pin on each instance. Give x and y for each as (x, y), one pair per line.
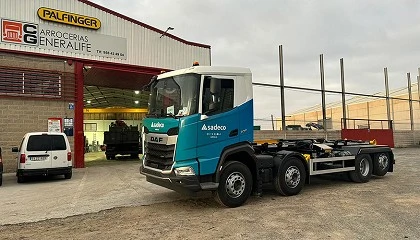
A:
(19, 32)
(156, 139)
(213, 128)
(158, 125)
(74, 19)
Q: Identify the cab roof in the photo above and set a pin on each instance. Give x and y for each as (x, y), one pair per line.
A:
(212, 70)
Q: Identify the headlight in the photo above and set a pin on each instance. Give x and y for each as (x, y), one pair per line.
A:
(184, 171)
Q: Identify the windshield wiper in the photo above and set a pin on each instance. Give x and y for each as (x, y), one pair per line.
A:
(155, 114)
(158, 115)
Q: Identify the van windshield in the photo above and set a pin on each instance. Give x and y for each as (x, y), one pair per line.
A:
(46, 143)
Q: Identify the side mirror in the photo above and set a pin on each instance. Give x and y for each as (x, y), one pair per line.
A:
(147, 87)
(15, 149)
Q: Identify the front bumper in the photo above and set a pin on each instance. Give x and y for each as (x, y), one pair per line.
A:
(183, 184)
(43, 172)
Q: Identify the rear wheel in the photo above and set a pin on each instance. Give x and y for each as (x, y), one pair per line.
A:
(363, 171)
(381, 164)
(1, 179)
(235, 185)
(68, 175)
(290, 177)
(20, 179)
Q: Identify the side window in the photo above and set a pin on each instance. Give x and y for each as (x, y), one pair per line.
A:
(215, 102)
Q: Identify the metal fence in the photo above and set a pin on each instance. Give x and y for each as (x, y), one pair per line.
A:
(398, 107)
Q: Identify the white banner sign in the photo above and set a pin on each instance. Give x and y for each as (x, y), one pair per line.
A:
(63, 39)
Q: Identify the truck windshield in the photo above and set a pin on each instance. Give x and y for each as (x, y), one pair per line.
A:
(175, 96)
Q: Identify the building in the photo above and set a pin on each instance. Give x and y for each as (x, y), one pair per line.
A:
(65, 61)
(364, 112)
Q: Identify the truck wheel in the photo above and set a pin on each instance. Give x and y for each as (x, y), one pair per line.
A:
(1, 179)
(380, 164)
(290, 177)
(235, 185)
(363, 171)
(134, 156)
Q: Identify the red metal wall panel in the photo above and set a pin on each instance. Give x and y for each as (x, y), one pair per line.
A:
(382, 136)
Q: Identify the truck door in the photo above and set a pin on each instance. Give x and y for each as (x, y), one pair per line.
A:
(219, 124)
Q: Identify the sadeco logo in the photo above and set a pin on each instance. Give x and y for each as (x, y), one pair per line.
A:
(213, 128)
(158, 125)
(19, 32)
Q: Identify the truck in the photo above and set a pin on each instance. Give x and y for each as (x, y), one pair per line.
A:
(122, 139)
(198, 136)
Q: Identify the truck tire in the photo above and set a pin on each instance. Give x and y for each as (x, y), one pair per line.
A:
(1, 179)
(363, 171)
(381, 164)
(290, 177)
(235, 185)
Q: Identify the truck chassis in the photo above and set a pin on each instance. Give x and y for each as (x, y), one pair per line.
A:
(289, 164)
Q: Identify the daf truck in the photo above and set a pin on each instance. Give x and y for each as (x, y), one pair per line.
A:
(198, 136)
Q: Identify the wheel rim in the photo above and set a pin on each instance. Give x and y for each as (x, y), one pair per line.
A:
(383, 161)
(292, 177)
(235, 185)
(364, 167)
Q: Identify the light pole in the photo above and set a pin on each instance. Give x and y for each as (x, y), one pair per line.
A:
(168, 29)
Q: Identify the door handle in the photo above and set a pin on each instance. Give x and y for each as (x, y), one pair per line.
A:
(233, 133)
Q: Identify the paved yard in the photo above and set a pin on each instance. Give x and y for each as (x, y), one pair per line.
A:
(329, 208)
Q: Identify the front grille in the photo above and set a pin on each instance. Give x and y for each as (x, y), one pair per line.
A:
(159, 156)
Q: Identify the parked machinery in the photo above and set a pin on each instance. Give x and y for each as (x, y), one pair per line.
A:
(122, 139)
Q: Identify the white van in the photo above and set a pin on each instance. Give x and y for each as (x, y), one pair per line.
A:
(42, 153)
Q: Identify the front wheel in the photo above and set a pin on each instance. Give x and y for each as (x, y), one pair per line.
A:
(235, 185)
(290, 177)
(363, 171)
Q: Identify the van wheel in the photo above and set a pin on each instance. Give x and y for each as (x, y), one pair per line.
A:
(235, 185)
(68, 175)
(363, 171)
(290, 177)
(381, 164)
(20, 179)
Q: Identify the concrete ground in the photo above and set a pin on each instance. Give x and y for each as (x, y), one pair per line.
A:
(104, 184)
(330, 208)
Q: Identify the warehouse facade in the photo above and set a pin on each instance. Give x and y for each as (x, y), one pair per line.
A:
(52, 49)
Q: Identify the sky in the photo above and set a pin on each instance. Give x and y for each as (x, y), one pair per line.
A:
(368, 35)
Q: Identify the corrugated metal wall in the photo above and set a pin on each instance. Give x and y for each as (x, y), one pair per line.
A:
(144, 46)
